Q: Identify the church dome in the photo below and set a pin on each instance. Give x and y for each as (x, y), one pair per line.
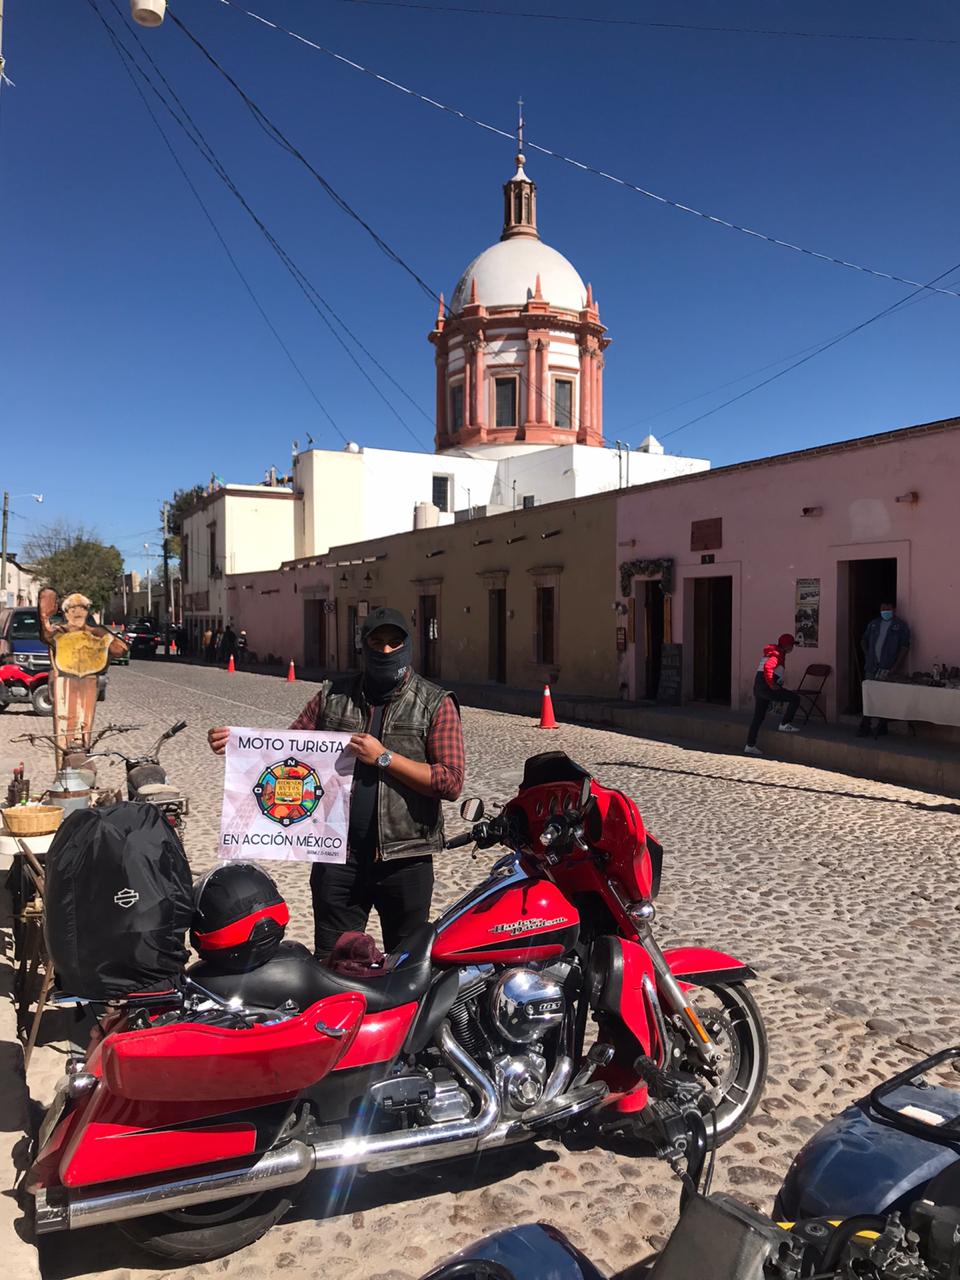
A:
(506, 276)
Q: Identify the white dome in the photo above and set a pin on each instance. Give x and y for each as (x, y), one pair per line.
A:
(506, 276)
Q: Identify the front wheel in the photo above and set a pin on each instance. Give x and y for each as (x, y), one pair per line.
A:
(731, 1016)
(207, 1231)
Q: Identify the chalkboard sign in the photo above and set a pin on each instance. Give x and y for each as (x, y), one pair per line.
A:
(671, 675)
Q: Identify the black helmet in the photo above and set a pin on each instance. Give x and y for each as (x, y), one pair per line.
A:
(239, 917)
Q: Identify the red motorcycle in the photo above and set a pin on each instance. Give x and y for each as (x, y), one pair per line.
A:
(194, 1115)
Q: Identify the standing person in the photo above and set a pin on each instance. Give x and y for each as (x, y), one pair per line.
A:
(228, 644)
(242, 649)
(885, 644)
(768, 687)
(408, 741)
(209, 648)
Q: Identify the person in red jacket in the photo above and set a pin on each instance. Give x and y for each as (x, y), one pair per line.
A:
(768, 687)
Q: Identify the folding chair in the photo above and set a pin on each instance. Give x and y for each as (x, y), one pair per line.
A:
(818, 673)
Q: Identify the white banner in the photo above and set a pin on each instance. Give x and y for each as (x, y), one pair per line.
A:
(286, 795)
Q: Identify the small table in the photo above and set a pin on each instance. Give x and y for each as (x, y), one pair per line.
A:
(897, 700)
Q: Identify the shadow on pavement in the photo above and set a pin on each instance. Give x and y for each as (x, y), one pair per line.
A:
(779, 786)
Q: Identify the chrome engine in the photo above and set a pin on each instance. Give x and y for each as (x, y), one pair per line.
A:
(526, 1005)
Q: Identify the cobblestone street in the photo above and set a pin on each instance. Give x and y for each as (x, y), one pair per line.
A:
(843, 894)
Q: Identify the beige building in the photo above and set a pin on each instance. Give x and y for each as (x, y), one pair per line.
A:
(234, 529)
(517, 599)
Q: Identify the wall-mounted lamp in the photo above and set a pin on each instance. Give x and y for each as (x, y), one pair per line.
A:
(510, 614)
(521, 537)
(367, 581)
(344, 580)
(466, 608)
(482, 542)
(619, 608)
(431, 554)
(910, 497)
(811, 511)
(552, 533)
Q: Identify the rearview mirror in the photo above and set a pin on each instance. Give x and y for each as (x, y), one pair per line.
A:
(585, 792)
(471, 810)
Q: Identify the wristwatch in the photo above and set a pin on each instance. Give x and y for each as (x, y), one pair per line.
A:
(383, 760)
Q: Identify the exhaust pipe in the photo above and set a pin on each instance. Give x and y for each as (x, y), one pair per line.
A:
(286, 1166)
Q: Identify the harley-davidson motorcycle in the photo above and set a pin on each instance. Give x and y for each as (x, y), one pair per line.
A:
(196, 1113)
(875, 1195)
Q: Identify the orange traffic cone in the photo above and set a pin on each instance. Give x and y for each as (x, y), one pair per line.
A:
(291, 674)
(231, 665)
(547, 719)
(173, 648)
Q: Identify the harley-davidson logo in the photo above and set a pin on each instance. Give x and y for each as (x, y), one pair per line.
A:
(126, 897)
(528, 926)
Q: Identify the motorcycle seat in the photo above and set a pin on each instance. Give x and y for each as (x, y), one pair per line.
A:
(293, 974)
(158, 791)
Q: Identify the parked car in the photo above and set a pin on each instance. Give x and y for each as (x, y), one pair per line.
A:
(20, 644)
(143, 637)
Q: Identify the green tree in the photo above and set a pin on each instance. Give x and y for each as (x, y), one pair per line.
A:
(182, 501)
(74, 559)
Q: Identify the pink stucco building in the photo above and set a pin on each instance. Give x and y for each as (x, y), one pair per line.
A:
(810, 543)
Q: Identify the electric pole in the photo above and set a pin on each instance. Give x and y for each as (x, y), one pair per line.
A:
(167, 602)
(3, 549)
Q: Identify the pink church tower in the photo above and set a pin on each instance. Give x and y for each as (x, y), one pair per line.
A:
(519, 352)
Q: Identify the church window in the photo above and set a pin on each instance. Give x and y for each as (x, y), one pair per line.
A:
(506, 402)
(518, 206)
(563, 402)
(456, 406)
(441, 492)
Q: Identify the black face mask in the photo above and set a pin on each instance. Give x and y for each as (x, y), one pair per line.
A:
(383, 672)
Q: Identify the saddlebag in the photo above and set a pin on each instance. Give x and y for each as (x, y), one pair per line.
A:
(117, 903)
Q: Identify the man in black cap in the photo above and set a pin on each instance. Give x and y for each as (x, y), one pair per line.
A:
(408, 740)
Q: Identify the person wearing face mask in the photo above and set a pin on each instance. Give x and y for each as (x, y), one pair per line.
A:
(885, 644)
(408, 740)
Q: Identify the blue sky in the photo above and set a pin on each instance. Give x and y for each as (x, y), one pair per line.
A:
(133, 362)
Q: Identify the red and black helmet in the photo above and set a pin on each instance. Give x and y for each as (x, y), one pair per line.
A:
(239, 917)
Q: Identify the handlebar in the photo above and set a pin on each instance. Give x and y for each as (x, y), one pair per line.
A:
(458, 841)
(486, 833)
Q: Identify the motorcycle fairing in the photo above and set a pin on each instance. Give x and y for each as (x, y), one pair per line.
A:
(379, 1038)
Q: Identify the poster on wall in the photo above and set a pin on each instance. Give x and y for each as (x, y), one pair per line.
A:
(286, 795)
(807, 618)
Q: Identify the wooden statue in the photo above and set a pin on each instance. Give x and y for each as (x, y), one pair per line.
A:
(79, 652)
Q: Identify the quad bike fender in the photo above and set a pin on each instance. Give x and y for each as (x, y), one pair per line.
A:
(701, 967)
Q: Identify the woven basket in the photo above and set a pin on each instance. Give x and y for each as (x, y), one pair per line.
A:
(33, 820)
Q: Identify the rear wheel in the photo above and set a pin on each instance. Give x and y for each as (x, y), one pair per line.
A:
(731, 1016)
(42, 700)
(207, 1231)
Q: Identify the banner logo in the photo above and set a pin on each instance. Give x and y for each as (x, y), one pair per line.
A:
(288, 792)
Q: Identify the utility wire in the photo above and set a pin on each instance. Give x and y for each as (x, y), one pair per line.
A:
(274, 132)
(715, 219)
(319, 304)
(662, 26)
(825, 346)
(911, 300)
(123, 55)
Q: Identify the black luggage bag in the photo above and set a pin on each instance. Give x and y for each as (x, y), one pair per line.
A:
(117, 903)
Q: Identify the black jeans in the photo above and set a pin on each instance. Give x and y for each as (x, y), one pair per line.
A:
(343, 896)
(763, 696)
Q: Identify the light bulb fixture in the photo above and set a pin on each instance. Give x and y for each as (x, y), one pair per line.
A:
(367, 580)
(343, 580)
(911, 497)
(148, 13)
(811, 511)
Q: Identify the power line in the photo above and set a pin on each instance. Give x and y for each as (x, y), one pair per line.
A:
(319, 304)
(911, 300)
(825, 346)
(662, 26)
(121, 52)
(275, 133)
(715, 219)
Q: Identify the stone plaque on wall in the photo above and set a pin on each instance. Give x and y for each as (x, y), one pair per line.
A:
(706, 535)
(670, 689)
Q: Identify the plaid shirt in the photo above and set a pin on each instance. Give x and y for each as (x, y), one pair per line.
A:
(444, 747)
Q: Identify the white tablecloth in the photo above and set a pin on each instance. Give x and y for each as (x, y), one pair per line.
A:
(892, 701)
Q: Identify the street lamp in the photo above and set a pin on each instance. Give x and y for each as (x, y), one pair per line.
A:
(148, 13)
(37, 497)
